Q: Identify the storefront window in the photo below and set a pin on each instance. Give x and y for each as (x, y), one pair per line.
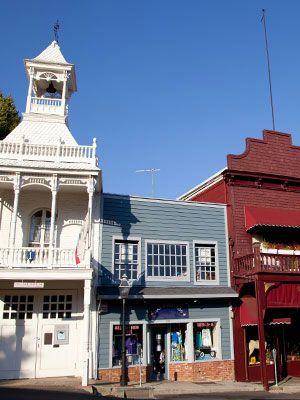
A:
(253, 345)
(205, 340)
(179, 343)
(133, 344)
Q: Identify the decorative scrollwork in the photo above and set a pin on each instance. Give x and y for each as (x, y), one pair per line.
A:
(48, 76)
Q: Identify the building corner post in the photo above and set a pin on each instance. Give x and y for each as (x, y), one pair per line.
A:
(86, 331)
(261, 307)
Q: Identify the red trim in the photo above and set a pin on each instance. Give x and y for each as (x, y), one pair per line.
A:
(258, 216)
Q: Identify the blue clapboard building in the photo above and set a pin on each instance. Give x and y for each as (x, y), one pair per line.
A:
(178, 313)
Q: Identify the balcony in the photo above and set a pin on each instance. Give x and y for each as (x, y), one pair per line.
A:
(42, 258)
(56, 153)
(267, 263)
(43, 105)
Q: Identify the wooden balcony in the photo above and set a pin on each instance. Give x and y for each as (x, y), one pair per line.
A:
(267, 263)
(45, 258)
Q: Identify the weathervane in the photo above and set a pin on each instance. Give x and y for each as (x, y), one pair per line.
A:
(55, 30)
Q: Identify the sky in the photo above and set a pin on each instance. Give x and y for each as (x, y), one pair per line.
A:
(169, 84)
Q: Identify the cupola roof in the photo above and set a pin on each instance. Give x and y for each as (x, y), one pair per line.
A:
(51, 54)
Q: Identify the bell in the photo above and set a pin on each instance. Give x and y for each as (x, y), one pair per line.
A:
(51, 88)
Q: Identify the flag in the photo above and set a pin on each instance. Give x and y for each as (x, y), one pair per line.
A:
(82, 240)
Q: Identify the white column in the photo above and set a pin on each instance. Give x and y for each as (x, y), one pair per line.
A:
(86, 331)
(63, 96)
(54, 190)
(91, 190)
(17, 185)
(28, 103)
(189, 342)
(94, 151)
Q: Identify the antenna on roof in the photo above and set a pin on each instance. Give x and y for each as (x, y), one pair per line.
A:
(152, 171)
(263, 20)
(55, 30)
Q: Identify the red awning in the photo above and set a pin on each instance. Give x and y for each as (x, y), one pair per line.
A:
(248, 311)
(259, 216)
(280, 321)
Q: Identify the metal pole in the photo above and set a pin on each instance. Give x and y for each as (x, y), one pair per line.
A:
(140, 362)
(274, 351)
(269, 67)
(123, 380)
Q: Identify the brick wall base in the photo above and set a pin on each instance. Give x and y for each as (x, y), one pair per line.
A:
(182, 372)
(202, 371)
(113, 375)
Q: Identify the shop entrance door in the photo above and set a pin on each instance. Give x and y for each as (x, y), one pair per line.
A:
(159, 356)
(38, 336)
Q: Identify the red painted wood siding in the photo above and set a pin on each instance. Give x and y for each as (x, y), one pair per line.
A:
(214, 194)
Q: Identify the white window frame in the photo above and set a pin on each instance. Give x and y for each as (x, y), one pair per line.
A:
(218, 345)
(144, 347)
(41, 243)
(174, 278)
(128, 239)
(203, 281)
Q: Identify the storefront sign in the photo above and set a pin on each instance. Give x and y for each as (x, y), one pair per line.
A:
(168, 313)
(29, 285)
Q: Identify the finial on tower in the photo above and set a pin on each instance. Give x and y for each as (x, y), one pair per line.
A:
(55, 30)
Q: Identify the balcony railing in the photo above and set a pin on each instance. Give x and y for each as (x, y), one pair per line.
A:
(269, 263)
(35, 257)
(28, 151)
(47, 106)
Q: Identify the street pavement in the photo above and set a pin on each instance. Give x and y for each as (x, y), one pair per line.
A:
(69, 388)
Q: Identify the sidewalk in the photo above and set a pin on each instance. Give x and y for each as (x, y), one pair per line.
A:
(167, 388)
(150, 389)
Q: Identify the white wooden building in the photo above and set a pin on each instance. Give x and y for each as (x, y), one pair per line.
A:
(50, 196)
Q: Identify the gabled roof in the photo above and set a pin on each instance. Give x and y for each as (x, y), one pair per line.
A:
(203, 185)
(52, 54)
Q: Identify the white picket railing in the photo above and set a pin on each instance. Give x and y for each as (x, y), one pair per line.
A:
(43, 105)
(28, 151)
(36, 257)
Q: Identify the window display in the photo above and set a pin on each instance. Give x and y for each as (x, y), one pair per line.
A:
(253, 344)
(133, 344)
(205, 340)
(178, 342)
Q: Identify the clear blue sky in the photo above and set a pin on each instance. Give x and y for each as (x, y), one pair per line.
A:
(170, 84)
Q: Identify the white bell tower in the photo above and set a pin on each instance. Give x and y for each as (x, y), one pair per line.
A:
(52, 81)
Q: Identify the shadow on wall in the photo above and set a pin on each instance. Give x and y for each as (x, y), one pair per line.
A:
(14, 354)
(117, 214)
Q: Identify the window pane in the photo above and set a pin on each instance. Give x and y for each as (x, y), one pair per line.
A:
(125, 259)
(159, 256)
(205, 263)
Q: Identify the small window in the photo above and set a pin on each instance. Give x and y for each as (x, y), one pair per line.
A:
(57, 307)
(39, 235)
(17, 307)
(205, 262)
(126, 259)
(168, 261)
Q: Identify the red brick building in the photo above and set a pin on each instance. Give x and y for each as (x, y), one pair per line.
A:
(262, 190)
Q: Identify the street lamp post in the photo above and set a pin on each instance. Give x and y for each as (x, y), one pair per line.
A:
(124, 291)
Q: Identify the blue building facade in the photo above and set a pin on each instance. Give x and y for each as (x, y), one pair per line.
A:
(178, 312)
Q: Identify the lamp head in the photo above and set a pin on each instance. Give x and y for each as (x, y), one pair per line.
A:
(124, 287)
